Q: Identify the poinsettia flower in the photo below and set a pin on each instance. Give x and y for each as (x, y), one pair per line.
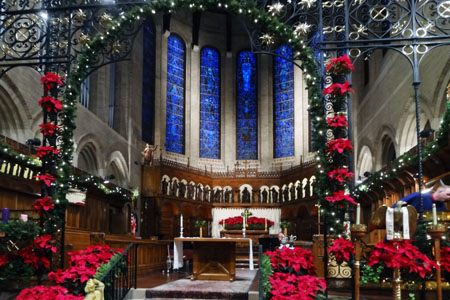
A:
(43, 204)
(340, 145)
(340, 175)
(47, 179)
(49, 129)
(337, 121)
(340, 196)
(50, 104)
(445, 259)
(338, 89)
(342, 249)
(402, 255)
(47, 293)
(341, 64)
(45, 242)
(46, 150)
(50, 80)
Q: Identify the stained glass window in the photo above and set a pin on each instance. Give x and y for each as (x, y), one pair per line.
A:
(148, 84)
(175, 95)
(247, 107)
(209, 103)
(283, 113)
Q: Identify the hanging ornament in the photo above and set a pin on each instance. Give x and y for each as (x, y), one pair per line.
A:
(80, 16)
(306, 4)
(267, 39)
(105, 19)
(275, 9)
(301, 29)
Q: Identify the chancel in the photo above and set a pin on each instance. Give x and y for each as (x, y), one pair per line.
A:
(206, 149)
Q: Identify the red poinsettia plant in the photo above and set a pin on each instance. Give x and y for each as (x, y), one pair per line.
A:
(340, 65)
(50, 104)
(253, 222)
(83, 265)
(339, 145)
(342, 249)
(402, 255)
(292, 276)
(46, 178)
(49, 129)
(43, 204)
(341, 175)
(41, 292)
(340, 196)
(338, 89)
(337, 122)
(51, 80)
(46, 150)
(445, 259)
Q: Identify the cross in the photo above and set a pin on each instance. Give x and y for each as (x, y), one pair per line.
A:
(245, 214)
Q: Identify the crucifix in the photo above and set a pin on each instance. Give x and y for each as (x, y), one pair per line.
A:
(245, 214)
(318, 217)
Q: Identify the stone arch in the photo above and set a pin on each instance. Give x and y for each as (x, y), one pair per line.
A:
(386, 133)
(275, 188)
(261, 189)
(365, 161)
(304, 187)
(117, 166)
(225, 189)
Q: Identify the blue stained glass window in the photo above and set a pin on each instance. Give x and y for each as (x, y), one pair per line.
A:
(209, 104)
(175, 95)
(247, 107)
(283, 103)
(148, 84)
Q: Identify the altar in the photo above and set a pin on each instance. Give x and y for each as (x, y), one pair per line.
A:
(214, 258)
(254, 235)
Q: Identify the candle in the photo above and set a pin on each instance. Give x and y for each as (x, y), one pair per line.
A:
(265, 222)
(434, 214)
(181, 221)
(358, 214)
(5, 215)
(24, 218)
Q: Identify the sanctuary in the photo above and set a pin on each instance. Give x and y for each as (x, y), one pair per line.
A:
(228, 149)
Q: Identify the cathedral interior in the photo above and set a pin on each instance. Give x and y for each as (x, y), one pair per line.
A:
(195, 124)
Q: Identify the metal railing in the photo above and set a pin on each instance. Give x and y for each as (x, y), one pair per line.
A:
(122, 275)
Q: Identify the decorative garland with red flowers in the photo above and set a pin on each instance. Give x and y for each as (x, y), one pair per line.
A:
(402, 255)
(291, 274)
(253, 222)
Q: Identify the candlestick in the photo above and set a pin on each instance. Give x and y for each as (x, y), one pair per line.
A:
(358, 214)
(434, 214)
(5, 215)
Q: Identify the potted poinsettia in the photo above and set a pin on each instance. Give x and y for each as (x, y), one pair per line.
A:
(200, 225)
(342, 249)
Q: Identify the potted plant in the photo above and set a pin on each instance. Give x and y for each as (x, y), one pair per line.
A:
(200, 224)
(285, 225)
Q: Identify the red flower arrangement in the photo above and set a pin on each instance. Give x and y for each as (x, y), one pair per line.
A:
(45, 242)
(46, 150)
(337, 121)
(43, 204)
(339, 65)
(83, 265)
(47, 293)
(342, 249)
(50, 104)
(3, 260)
(341, 175)
(339, 145)
(47, 178)
(253, 222)
(291, 286)
(445, 259)
(402, 255)
(50, 80)
(338, 89)
(298, 260)
(49, 129)
(340, 196)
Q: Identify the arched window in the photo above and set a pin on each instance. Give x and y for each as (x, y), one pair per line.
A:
(247, 107)
(176, 54)
(283, 112)
(209, 103)
(388, 154)
(148, 84)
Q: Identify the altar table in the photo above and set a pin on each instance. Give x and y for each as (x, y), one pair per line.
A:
(214, 258)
